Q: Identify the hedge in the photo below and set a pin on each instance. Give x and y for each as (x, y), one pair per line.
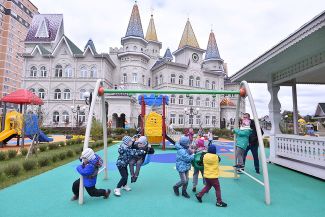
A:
(12, 169)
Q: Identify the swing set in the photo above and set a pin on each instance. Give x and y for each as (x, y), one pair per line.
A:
(243, 92)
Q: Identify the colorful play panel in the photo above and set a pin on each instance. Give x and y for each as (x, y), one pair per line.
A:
(292, 193)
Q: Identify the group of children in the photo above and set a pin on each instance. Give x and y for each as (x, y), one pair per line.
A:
(132, 153)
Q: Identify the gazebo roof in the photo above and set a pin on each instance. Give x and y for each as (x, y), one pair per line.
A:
(22, 96)
(301, 53)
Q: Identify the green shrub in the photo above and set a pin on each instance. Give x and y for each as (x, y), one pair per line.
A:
(24, 151)
(53, 146)
(96, 131)
(119, 131)
(61, 144)
(69, 142)
(109, 141)
(62, 155)
(44, 161)
(12, 169)
(43, 147)
(12, 154)
(78, 150)
(266, 143)
(78, 141)
(3, 155)
(131, 131)
(69, 153)
(55, 158)
(2, 176)
(29, 164)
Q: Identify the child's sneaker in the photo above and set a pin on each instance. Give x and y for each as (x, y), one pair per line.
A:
(107, 194)
(194, 189)
(126, 188)
(185, 194)
(222, 204)
(198, 198)
(74, 198)
(133, 179)
(117, 192)
(176, 191)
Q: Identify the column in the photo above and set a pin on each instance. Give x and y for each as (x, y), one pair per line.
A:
(295, 107)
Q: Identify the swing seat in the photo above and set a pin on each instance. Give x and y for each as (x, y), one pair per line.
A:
(147, 160)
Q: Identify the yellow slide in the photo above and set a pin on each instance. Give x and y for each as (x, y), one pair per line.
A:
(6, 133)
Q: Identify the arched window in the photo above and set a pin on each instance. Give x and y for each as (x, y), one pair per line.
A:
(33, 71)
(68, 71)
(190, 101)
(149, 82)
(191, 81)
(172, 99)
(57, 94)
(66, 94)
(83, 72)
(65, 116)
(180, 79)
(43, 71)
(82, 91)
(58, 71)
(207, 102)
(197, 83)
(156, 81)
(181, 100)
(41, 93)
(173, 79)
(213, 103)
(161, 79)
(207, 84)
(125, 78)
(134, 77)
(82, 117)
(93, 72)
(56, 117)
(32, 90)
(207, 120)
(198, 101)
(213, 87)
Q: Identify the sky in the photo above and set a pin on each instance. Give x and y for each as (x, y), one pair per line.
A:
(243, 29)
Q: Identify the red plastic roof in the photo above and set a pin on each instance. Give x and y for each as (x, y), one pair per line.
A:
(22, 96)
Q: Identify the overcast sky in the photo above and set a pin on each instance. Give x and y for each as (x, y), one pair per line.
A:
(243, 29)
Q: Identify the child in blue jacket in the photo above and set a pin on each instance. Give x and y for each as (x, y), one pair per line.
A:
(89, 169)
(184, 157)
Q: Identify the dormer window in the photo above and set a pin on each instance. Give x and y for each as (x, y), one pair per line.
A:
(42, 31)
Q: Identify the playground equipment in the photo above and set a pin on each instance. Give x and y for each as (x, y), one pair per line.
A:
(12, 127)
(243, 92)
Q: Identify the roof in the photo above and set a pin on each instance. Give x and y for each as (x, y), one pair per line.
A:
(73, 47)
(91, 45)
(22, 96)
(320, 110)
(135, 26)
(151, 31)
(212, 51)
(168, 55)
(161, 62)
(188, 37)
(52, 25)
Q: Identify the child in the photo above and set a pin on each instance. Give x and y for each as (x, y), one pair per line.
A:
(184, 158)
(242, 142)
(125, 152)
(210, 137)
(199, 148)
(89, 169)
(141, 144)
(211, 173)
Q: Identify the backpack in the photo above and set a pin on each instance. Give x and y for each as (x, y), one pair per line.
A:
(97, 165)
(200, 162)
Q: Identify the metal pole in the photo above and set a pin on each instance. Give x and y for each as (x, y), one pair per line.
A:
(23, 127)
(163, 124)
(104, 135)
(4, 112)
(295, 108)
(143, 113)
(110, 91)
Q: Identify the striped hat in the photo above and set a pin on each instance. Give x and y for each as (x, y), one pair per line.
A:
(88, 154)
(126, 140)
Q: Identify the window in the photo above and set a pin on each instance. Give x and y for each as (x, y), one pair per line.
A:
(207, 102)
(172, 79)
(181, 100)
(172, 99)
(56, 117)
(213, 87)
(197, 83)
(93, 72)
(134, 78)
(149, 82)
(83, 72)
(214, 120)
(190, 119)
(207, 84)
(65, 117)
(198, 119)
(43, 71)
(33, 71)
(82, 117)
(181, 119)
(190, 101)
(81, 95)
(41, 93)
(161, 79)
(198, 101)
(172, 118)
(180, 79)
(191, 81)
(143, 80)
(213, 103)
(207, 120)
(68, 71)
(32, 90)
(156, 81)
(125, 78)
(57, 94)
(66, 94)
(58, 71)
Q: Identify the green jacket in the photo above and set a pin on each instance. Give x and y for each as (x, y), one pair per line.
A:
(242, 137)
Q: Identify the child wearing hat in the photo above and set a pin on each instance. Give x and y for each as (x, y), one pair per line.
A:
(184, 157)
(125, 152)
(200, 147)
(89, 170)
(211, 174)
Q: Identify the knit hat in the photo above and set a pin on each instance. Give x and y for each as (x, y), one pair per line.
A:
(126, 140)
(200, 143)
(212, 149)
(143, 140)
(88, 154)
(184, 141)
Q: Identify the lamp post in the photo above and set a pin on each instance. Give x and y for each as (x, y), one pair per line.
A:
(88, 98)
(77, 111)
(191, 112)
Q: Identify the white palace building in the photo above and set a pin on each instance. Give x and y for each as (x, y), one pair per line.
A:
(60, 73)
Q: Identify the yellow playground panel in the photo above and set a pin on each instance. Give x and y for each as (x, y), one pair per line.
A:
(153, 127)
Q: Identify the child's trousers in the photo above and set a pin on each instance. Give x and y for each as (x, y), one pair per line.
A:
(92, 191)
(196, 177)
(240, 156)
(137, 163)
(184, 180)
(212, 183)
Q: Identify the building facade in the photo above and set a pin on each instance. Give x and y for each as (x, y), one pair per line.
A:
(59, 72)
(15, 19)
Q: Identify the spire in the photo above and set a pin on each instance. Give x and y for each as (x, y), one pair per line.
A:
(135, 26)
(188, 37)
(168, 55)
(91, 44)
(151, 31)
(212, 49)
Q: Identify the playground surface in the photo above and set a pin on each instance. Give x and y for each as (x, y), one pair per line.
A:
(292, 193)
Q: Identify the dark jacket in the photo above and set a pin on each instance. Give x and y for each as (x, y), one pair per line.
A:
(125, 155)
(253, 139)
